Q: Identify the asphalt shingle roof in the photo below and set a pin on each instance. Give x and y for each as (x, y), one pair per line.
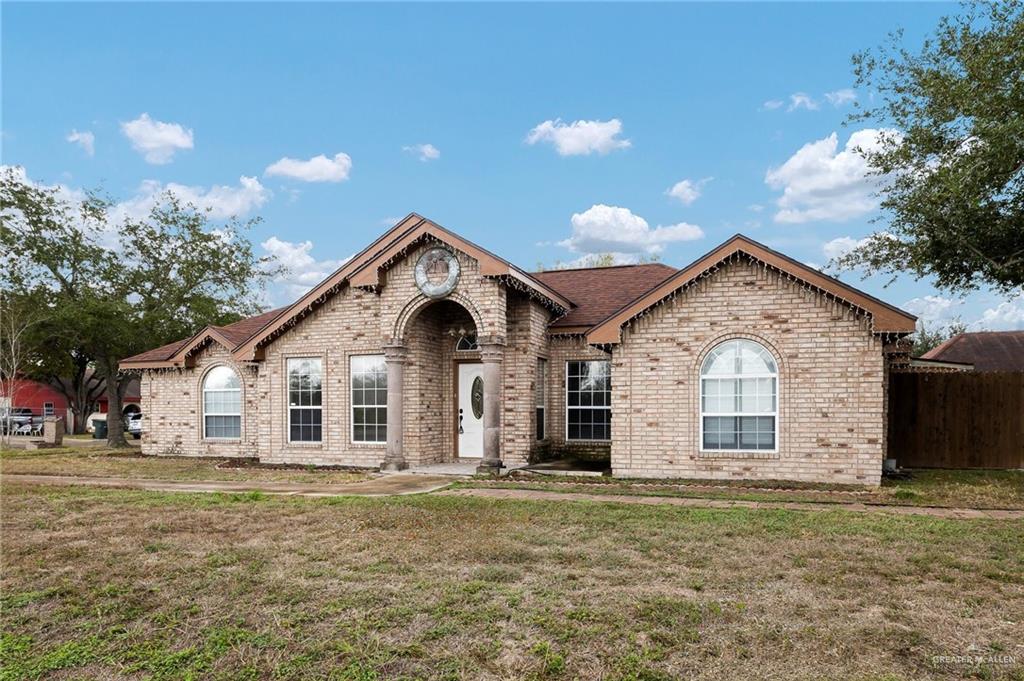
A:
(600, 291)
(986, 350)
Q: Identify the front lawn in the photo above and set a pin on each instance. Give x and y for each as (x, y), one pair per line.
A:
(131, 464)
(113, 583)
(952, 489)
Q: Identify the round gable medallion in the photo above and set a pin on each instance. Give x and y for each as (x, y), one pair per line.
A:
(437, 272)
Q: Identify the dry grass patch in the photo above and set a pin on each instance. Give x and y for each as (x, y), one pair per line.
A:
(109, 583)
(942, 488)
(119, 463)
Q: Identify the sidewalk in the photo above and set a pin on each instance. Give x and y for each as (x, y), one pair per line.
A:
(384, 486)
(411, 483)
(538, 495)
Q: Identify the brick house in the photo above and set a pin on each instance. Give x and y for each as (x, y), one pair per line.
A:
(425, 348)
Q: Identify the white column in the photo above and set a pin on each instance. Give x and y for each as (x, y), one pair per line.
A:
(395, 357)
(491, 355)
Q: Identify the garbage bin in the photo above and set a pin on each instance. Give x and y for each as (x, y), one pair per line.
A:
(99, 429)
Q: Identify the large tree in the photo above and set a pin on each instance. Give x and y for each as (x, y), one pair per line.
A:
(113, 288)
(953, 194)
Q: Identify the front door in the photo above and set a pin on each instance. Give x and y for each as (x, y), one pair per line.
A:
(471, 410)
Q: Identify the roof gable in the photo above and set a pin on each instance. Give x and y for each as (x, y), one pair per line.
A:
(364, 270)
(886, 318)
(178, 352)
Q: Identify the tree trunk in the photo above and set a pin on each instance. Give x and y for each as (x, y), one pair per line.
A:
(115, 422)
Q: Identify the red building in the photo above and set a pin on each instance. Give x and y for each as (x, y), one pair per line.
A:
(42, 399)
(45, 400)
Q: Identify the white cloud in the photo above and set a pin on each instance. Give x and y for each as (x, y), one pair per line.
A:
(687, 191)
(304, 271)
(317, 169)
(580, 138)
(821, 183)
(222, 201)
(1006, 316)
(802, 100)
(611, 229)
(155, 140)
(837, 248)
(425, 152)
(773, 104)
(838, 98)
(934, 311)
(84, 139)
(755, 207)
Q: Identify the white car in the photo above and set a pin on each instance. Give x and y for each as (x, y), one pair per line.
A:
(134, 423)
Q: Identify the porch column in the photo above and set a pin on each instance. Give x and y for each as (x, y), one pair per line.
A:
(395, 358)
(491, 355)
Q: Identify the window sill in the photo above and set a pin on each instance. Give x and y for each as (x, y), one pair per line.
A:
(738, 454)
(304, 445)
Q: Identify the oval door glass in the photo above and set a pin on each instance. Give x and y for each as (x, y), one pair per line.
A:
(477, 398)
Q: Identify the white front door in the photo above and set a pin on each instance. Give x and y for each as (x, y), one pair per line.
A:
(471, 410)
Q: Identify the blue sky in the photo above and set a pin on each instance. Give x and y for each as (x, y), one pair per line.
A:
(696, 121)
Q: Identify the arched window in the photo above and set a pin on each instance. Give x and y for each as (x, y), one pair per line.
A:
(467, 343)
(222, 404)
(739, 406)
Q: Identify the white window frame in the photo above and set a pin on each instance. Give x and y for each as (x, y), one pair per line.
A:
(774, 413)
(215, 413)
(567, 407)
(49, 409)
(288, 404)
(352, 406)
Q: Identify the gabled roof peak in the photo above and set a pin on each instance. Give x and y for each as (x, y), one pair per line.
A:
(886, 318)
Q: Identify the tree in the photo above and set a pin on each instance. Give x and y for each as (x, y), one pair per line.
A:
(16, 321)
(953, 159)
(51, 224)
(127, 286)
(597, 260)
(928, 338)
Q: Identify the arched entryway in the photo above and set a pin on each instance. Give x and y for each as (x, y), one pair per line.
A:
(443, 375)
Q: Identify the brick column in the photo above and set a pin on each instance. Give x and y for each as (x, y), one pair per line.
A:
(395, 357)
(491, 355)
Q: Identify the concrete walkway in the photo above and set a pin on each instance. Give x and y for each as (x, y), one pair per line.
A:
(397, 484)
(538, 495)
(384, 486)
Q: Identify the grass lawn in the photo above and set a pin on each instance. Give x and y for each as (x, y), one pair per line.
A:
(959, 488)
(123, 584)
(967, 489)
(130, 464)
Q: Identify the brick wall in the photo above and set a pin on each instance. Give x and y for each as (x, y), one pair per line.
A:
(359, 322)
(562, 349)
(172, 409)
(831, 382)
(526, 341)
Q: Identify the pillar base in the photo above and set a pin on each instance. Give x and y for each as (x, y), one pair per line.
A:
(490, 467)
(393, 465)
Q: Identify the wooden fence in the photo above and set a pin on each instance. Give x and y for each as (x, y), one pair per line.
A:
(957, 420)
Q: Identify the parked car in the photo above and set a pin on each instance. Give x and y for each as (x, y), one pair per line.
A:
(15, 418)
(134, 424)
